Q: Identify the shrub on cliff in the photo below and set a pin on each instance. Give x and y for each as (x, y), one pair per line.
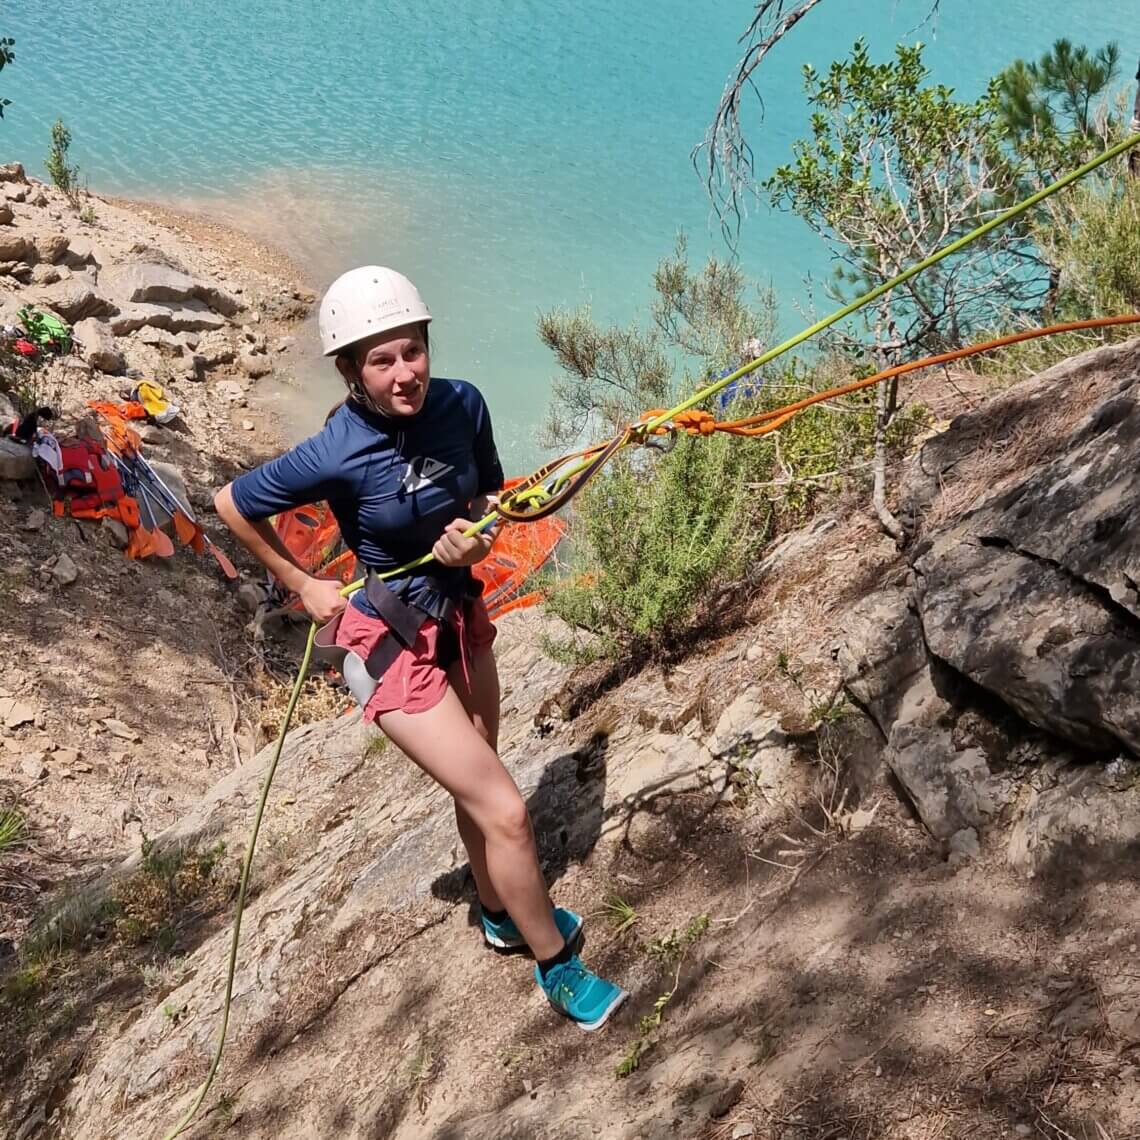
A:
(656, 534)
(7, 56)
(1097, 251)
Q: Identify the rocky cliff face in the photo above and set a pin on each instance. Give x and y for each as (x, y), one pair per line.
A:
(878, 894)
(148, 294)
(1017, 638)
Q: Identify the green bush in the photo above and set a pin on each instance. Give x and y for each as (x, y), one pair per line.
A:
(64, 176)
(656, 535)
(651, 541)
(1093, 243)
(1099, 252)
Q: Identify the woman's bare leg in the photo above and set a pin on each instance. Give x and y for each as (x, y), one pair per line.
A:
(479, 693)
(448, 747)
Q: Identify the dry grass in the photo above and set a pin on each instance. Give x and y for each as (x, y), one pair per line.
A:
(320, 699)
(1013, 443)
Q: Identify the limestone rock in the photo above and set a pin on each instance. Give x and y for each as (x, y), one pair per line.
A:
(134, 317)
(1031, 598)
(118, 729)
(964, 845)
(74, 300)
(255, 365)
(13, 172)
(254, 339)
(147, 283)
(20, 270)
(175, 483)
(51, 247)
(77, 365)
(1083, 813)
(247, 425)
(6, 215)
(14, 247)
(191, 368)
(885, 668)
(1034, 595)
(882, 653)
(82, 251)
(216, 348)
(16, 460)
(35, 520)
(15, 713)
(749, 739)
(134, 282)
(166, 342)
(14, 191)
(192, 316)
(118, 533)
(44, 274)
(664, 763)
(230, 390)
(941, 456)
(63, 570)
(33, 767)
(97, 347)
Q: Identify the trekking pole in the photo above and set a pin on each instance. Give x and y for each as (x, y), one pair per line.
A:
(172, 503)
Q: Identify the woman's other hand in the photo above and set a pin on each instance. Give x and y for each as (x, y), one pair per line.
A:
(455, 549)
(321, 598)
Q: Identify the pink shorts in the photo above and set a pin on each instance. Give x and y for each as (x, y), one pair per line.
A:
(415, 682)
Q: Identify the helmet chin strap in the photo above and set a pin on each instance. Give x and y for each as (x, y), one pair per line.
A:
(360, 394)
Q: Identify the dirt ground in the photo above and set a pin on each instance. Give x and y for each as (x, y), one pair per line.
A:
(137, 677)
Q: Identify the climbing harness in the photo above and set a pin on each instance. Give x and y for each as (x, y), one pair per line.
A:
(556, 483)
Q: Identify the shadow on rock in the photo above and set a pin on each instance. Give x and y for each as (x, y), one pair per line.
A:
(566, 808)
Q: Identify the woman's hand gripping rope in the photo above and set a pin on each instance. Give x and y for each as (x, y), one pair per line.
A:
(463, 542)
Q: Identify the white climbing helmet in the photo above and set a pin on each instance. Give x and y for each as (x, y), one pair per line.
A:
(366, 301)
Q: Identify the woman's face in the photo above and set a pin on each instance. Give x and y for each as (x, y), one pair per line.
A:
(393, 368)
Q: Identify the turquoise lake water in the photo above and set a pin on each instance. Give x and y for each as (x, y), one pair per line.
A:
(510, 156)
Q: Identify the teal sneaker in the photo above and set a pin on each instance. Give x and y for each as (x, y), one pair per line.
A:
(580, 994)
(505, 935)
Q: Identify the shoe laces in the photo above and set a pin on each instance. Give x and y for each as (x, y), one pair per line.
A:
(567, 976)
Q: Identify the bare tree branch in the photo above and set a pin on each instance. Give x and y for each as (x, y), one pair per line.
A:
(724, 158)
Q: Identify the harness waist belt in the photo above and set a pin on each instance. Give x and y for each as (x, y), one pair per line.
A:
(404, 623)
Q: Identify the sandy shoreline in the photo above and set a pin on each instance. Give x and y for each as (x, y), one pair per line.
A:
(253, 252)
(290, 411)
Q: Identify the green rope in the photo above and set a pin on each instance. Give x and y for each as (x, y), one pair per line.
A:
(482, 524)
(243, 885)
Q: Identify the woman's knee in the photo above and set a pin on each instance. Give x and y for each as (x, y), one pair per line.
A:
(507, 818)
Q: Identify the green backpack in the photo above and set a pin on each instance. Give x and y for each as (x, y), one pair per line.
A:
(46, 330)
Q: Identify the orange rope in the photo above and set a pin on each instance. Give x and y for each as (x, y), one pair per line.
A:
(697, 422)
